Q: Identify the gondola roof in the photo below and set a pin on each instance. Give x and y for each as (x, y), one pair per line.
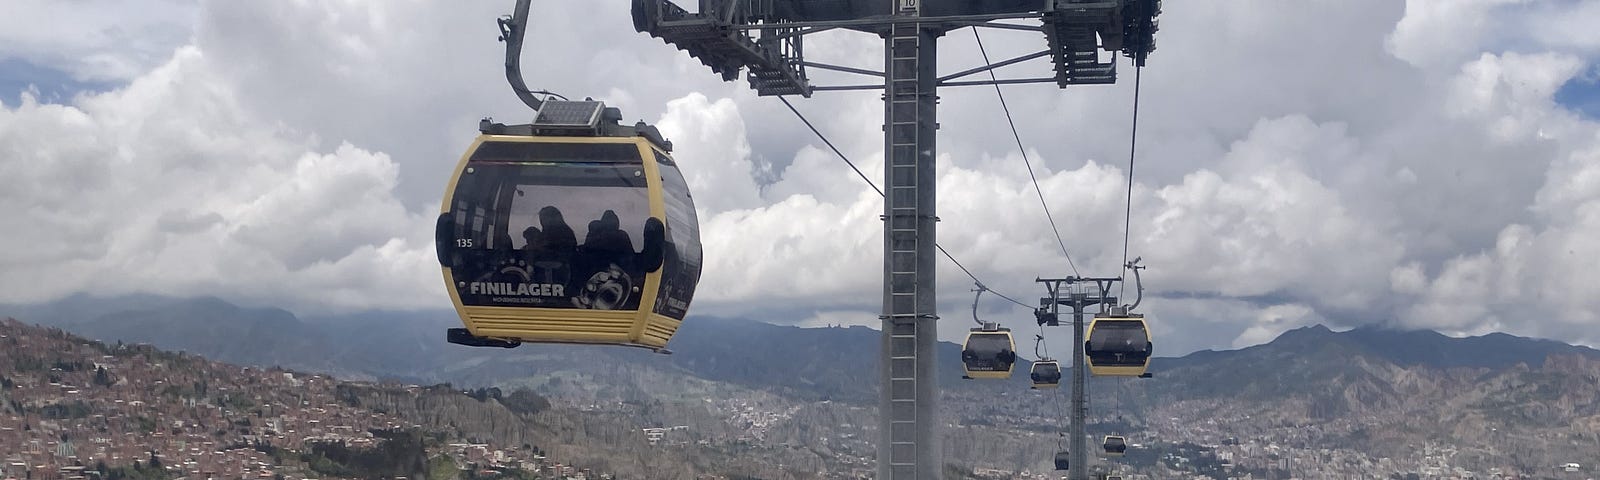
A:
(586, 118)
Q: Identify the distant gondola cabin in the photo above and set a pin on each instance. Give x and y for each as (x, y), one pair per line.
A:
(1115, 446)
(1045, 373)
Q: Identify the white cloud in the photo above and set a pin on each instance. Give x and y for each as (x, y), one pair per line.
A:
(1444, 32)
(1341, 162)
(710, 139)
(95, 40)
(1273, 321)
(1535, 280)
(168, 186)
(1408, 278)
(1514, 92)
(797, 248)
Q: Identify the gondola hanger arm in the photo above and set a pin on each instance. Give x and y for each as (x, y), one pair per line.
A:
(980, 289)
(1138, 283)
(512, 30)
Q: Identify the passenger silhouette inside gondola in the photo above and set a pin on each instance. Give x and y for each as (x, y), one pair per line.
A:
(531, 237)
(606, 235)
(557, 237)
(531, 242)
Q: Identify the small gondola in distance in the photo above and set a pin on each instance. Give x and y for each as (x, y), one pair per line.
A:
(988, 353)
(1063, 459)
(1115, 446)
(1045, 373)
(1118, 345)
(572, 229)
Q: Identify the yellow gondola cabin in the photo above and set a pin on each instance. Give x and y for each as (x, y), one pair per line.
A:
(573, 229)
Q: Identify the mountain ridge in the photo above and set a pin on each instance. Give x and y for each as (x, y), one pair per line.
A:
(822, 363)
(1410, 347)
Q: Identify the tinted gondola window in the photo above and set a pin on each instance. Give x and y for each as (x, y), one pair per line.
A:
(1046, 372)
(1114, 342)
(1115, 446)
(984, 351)
(988, 344)
(681, 271)
(538, 229)
(1119, 337)
(517, 152)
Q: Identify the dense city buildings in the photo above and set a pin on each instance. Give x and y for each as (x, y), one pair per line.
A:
(73, 406)
(75, 409)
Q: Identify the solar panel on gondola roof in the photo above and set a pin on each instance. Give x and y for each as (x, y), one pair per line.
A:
(569, 114)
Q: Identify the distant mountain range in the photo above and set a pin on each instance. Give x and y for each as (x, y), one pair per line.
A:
(1316, 358)
(1408, 348)
(816, 363)
(206, 326)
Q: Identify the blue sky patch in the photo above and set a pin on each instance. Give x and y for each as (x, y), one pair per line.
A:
(55, 86)
(1582, 93)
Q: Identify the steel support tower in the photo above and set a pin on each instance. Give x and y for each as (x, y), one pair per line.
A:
(765, 39)
(908, 406)
(1079, 296)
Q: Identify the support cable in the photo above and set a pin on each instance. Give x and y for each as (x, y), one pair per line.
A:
(1025, 161)
(830, 146)
(875, 188)
(1061, 414)
(1127, 212)
(1042, 203)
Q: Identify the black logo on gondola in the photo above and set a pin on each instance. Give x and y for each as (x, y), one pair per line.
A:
(607, 289)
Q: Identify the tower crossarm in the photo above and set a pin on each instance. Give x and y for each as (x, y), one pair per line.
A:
(771, 56)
